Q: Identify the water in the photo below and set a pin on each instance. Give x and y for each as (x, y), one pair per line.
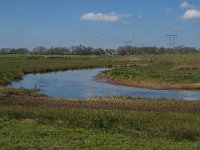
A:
(80, 84)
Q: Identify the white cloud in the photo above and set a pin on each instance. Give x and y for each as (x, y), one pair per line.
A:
(186, 5)
(105, 17)
(191, 14)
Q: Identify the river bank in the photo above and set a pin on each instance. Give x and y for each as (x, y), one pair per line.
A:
(149, 85)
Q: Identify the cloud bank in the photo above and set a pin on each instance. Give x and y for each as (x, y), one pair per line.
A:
(191, 14)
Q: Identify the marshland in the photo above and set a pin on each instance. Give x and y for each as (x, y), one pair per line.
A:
(31, 119)
(99, 74)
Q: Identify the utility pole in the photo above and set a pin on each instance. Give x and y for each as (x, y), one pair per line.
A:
(172, 40)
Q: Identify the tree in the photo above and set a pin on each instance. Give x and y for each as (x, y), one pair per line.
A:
(40, 50)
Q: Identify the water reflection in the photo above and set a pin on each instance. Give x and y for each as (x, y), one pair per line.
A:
(79, 84)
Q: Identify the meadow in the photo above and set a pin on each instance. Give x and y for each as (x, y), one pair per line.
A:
(31, 120)
(56, 128)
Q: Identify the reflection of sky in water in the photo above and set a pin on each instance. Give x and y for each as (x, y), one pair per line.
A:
(79, 84)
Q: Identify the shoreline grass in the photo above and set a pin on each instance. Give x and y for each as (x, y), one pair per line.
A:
(108, 78)
(163, 72)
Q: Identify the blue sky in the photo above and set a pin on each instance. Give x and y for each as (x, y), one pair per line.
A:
(98, 23)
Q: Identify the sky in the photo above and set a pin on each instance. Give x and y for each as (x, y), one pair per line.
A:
(98, 23)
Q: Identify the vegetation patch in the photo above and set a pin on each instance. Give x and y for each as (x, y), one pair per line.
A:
(162, 72)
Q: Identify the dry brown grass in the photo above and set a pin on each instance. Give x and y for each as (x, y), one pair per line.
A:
(187, 67)
(111, 103)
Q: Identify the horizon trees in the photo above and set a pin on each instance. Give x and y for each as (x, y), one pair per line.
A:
(84, 50)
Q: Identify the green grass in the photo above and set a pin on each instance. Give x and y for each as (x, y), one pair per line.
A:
(51, 128)
(12, 67)
(162, 69)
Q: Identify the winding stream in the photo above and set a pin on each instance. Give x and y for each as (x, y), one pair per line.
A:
(80, 84)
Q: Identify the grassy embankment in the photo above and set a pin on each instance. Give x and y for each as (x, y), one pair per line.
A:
(29, 120)
(13, 67)
(158, 72)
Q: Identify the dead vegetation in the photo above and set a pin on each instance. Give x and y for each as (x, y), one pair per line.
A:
(110, 103)
(187, 67)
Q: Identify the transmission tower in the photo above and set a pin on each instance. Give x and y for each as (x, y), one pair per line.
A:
(172, 40)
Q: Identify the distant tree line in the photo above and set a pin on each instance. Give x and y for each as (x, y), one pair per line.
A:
(130, 50)
(83, 50)
(74, 50)
(50, 51)
(22, 51)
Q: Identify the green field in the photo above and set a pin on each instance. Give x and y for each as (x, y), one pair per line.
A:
(29, 120)
(53, 128)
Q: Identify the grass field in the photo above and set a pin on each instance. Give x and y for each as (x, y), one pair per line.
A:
(55, 128)
(29, 120)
